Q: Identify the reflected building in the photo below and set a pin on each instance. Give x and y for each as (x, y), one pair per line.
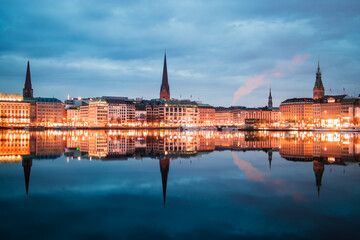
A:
(320, 148)
(318, 167)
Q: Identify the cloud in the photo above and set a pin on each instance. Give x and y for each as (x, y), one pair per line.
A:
(251, 84)
(206, 41)
(251, 172)
(279, 71)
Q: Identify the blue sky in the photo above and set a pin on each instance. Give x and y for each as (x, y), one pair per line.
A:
(221, 52)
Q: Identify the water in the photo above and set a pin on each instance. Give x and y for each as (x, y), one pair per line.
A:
(180, 185)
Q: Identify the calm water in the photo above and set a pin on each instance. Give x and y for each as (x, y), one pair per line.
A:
(181, 185)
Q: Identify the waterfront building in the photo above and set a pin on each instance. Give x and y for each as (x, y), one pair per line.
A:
(140, 113)
(297, 111)
(121, 110)
(98, 113)
(152, 112)
(327, 111)
(335, 111)
(14, 112)
(165, 89)
(224, 116)
(256, 117)
(84, 114)
(46, 111)
(206, 115)
(28, 91)
(73, 116)
(178, 113)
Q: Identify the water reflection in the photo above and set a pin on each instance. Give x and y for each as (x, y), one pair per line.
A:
(320, 148)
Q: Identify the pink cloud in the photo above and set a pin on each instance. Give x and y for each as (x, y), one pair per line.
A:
(251, 173)
(251, 84)
(280, 70)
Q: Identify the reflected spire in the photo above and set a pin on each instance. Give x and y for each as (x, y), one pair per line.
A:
(318, 167)
(27, 163)
(270, 153)
(164, 169)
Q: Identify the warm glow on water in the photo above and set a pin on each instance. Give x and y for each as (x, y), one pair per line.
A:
(172, 184)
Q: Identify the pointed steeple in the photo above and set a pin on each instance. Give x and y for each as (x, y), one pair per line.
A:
(27, 163)
(28, 91)
(165, 90)
(164, 169)
(318, 91)
(270, 103)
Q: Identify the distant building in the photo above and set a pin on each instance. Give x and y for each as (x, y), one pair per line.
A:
(165, 90)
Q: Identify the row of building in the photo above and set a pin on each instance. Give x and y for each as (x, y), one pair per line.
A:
(328, 111)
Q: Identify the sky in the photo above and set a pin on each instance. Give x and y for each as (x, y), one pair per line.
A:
(222, 53)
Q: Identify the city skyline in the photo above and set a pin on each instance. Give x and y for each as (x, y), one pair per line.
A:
(213, 56)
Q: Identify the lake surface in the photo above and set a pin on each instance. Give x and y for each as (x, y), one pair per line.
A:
(179, 185)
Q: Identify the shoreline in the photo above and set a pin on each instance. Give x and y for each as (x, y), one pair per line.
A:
(230, 129)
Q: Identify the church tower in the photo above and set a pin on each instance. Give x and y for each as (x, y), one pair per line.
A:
(165, 90)
(28, 91)
(318, 91)
(270, 103)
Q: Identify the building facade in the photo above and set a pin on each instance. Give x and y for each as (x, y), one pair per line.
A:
(297, 110)
(13, 110)
(206, 115)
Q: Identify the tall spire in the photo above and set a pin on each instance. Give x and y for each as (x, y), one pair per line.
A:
(318, 90)
(28, 91)
(165, 90)
(270, 103)
(27, 163)
(164, 169)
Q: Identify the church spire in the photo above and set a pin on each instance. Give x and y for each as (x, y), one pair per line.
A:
(270, 103)
(165, 90)
(28, 91)
(318, 91)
